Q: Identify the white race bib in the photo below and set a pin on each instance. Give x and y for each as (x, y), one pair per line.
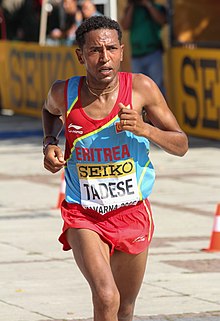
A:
(105, 187)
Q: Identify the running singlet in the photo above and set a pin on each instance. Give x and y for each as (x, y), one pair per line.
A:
(106, 167)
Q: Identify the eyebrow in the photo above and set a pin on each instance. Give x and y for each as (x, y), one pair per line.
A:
(108, 45)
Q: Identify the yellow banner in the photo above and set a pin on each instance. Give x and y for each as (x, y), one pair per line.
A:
(193, 81)
(194, 87)
(27, 72)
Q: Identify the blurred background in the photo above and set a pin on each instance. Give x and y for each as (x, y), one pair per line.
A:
(37, 47)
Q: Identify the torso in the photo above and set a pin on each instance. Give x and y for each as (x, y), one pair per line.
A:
(106, 168)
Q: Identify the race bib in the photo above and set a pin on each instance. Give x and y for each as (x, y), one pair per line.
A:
(105, 187)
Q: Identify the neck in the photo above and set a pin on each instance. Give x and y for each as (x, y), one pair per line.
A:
(101, 92)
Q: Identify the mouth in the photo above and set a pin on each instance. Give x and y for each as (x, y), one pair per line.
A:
(105, 70)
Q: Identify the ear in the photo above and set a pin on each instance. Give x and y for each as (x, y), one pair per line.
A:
(80, 56)
(122, 53)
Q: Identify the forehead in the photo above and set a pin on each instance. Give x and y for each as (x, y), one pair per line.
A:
(101, 36)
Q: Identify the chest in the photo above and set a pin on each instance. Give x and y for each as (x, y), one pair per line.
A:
(100, 108)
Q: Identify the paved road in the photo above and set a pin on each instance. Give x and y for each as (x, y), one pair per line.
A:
(39, 282)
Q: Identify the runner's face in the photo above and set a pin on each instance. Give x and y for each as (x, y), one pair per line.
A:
(102, 54)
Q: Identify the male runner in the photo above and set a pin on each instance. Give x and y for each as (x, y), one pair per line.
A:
(109, 176)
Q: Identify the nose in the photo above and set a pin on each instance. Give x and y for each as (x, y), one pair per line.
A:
(104, 55)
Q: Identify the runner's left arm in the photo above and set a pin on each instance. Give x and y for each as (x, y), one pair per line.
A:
(163, 128)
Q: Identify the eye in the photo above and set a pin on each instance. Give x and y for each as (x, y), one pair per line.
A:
(112, 48)
(94, 50)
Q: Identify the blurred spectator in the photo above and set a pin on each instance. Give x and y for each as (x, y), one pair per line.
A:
(89, 9)
(53, 9)
(69, 18)
(144, 19)
(22, 19)
(3, 34)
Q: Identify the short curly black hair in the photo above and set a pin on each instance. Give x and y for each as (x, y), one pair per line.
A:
(94, 23)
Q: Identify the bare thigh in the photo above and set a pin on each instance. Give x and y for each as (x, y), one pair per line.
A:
(128, 271)
(92, 256)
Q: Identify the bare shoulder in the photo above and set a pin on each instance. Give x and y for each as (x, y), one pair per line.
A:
(55, 102)
(57, 88)
(145, 91)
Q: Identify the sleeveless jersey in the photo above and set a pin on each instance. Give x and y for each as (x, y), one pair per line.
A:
(106, 167)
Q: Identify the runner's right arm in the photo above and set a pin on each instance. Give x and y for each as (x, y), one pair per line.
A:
(53, 117)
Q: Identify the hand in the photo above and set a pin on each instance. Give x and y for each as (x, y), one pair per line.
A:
(53, 159)
(131, 120)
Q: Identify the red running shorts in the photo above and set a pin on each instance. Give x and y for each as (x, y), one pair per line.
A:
(128, 229)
